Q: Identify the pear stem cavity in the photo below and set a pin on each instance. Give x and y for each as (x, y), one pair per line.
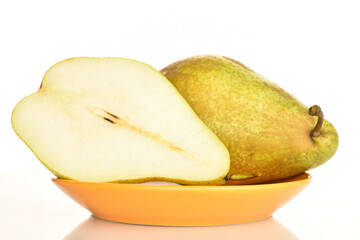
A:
(316, 111)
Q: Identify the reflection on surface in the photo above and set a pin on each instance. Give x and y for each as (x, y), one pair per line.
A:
(93, 228)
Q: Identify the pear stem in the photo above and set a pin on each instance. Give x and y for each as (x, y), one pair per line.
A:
(316, 111)
(239, 176)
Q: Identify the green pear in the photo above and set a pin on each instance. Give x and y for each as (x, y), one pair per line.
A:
(269, 133)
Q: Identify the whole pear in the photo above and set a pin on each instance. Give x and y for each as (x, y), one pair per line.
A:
(269, 133)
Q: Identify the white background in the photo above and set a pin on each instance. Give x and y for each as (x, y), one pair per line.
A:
(309, 48)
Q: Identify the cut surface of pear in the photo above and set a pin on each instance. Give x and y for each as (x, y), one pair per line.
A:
(117, 120)
(269, 133)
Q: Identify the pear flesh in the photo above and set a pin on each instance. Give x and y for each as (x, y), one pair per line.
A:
(268, 132)
(117, 120)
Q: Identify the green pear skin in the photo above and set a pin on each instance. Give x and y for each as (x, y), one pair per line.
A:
(268, 132)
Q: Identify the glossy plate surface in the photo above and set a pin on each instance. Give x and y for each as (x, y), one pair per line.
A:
(176, 205)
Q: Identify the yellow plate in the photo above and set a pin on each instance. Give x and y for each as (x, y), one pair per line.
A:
(183, 205)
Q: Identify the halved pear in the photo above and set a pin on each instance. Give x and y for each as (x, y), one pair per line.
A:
(117, 120)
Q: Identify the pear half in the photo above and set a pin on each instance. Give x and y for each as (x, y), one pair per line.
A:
(117, 120)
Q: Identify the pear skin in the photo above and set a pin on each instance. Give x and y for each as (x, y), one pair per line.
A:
(269, 133)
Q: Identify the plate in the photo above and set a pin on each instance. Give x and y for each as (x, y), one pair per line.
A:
(177, 205)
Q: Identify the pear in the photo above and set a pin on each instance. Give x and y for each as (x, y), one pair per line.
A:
(269, 133)
(117, 120)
